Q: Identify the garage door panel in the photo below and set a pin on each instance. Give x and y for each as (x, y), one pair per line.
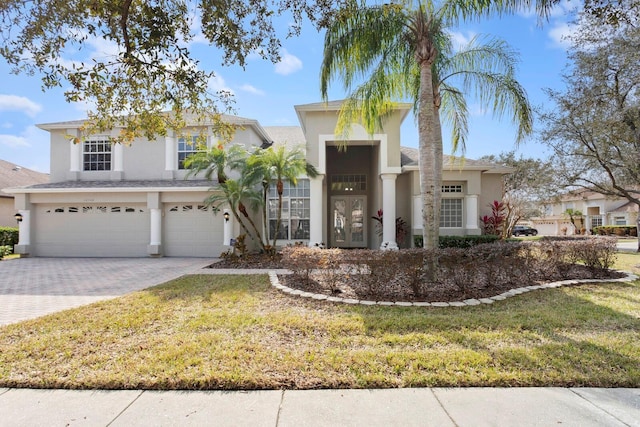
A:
(192, 230)
(91, 230)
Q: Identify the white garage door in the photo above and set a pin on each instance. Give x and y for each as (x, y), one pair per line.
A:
(114, 230)
(192, 230)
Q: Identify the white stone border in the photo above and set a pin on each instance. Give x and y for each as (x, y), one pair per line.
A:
(275, 282)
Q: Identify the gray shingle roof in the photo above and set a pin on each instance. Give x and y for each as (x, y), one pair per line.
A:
(409, 157)
(12, 176)
(178, 183)
(291, 136)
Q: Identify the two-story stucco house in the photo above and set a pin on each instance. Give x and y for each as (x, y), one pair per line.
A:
(115, 200)
(596, 210)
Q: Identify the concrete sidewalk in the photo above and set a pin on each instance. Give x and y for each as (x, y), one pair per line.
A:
(390, 407)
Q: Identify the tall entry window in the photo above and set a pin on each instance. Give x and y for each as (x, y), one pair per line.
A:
(96, 155)
(296, 211)
(451, 208)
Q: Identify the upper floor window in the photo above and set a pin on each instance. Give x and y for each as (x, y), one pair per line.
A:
(186, 147)
(96, 155)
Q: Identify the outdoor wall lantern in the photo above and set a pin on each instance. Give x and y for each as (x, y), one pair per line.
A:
(226, 216)
(18, 217)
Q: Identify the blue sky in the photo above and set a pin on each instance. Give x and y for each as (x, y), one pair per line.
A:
(268, 92)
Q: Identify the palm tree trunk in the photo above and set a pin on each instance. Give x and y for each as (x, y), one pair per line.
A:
(280, 188)
(428, 153)
(243, 209)
(265, 206)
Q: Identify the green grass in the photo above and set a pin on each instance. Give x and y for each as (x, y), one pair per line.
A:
(236, 332)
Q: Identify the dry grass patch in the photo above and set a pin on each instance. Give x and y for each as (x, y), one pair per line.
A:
(236, 332)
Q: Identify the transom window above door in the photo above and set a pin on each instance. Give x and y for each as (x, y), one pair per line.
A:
(96, 155)
(348, 183)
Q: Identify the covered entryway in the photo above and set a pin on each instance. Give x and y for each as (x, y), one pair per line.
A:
(91, 230)
(192, 230)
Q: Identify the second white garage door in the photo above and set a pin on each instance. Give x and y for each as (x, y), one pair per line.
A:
(192, 230)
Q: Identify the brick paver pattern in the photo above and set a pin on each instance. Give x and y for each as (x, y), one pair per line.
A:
(33, 287)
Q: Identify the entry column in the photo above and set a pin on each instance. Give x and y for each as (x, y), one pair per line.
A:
(389, 211)
(155, 218)
(471, 201)
(315, 206)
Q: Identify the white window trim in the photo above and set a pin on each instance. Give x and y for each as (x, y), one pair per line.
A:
(287, 221)
(194, 144)
(96, 139)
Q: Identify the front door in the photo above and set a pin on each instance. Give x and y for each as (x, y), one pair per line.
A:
(348, 226)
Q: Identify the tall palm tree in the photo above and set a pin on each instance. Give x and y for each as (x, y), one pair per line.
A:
(405, 52)
(279, 164)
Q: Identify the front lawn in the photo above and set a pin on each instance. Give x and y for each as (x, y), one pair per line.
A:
(236, 332)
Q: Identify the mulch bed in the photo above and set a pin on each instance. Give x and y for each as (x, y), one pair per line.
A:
(445, 291)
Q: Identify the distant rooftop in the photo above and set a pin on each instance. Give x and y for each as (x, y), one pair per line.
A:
(12, 176)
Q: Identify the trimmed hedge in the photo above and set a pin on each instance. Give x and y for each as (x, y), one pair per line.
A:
(496, 264)
(458, 241)
(616, 230)
(8, 236)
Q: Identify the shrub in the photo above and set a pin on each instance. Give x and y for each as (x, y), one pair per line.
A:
(458, 241)
(466, 241)
(8, 236)
(616, 230)
(468, 270)
(5, 250)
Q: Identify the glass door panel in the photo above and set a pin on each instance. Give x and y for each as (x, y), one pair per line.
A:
(348, 222)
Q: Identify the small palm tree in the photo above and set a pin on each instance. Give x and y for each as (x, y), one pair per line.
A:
(405, 52)
(215, 160)
(235, 193)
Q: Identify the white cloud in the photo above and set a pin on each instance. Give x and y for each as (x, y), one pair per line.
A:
(559, 34)
(13, 141)
(217, 84)
(31, 136)
(288, 63)
(251, 89)
(461, 39)
(19, 104)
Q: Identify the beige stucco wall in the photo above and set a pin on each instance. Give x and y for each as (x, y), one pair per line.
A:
(142, 159)
(322, 123)
(60, 156)
(7, 211)
(491, 190)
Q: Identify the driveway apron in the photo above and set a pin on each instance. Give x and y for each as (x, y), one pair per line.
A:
(33, 287)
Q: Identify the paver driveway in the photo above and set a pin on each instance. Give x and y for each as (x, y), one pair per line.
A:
(33, 287)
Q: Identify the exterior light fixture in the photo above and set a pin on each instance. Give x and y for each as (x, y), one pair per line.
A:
(18, 217)
(226, 216)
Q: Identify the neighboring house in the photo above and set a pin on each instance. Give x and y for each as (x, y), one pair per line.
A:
(115, 200)
(596, 210)
(12, 175)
